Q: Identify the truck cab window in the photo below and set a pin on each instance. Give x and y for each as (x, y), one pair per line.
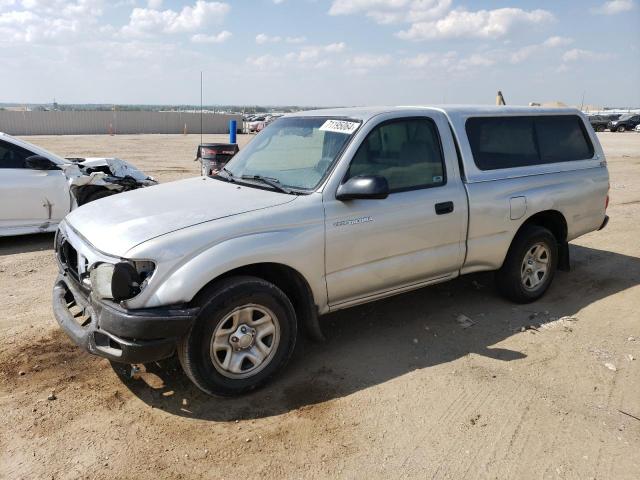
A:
(406, 152)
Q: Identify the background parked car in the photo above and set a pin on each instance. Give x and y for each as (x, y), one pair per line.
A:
(599, 122)
(38, 188)
(625, 122)
(256, 124)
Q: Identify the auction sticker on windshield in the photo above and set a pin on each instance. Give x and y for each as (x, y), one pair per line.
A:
(340, 126)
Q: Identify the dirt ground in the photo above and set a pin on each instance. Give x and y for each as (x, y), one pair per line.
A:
(399, 389)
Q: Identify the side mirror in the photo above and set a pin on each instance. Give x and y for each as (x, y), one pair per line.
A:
(363, 187)
(38, 162)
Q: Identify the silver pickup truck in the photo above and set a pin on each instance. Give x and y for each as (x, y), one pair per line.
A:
(324, 210)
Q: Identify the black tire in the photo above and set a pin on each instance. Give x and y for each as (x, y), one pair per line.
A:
(621, 128)
(509, 278)
(599, 128)
(216, 303)
(97, 195)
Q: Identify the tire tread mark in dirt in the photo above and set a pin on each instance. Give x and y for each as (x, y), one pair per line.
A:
(612, 384)
(510, 401)
(476, 401)
(472, 460)
(515, 393)
(459, 453)
(450, 417)
(442, 419)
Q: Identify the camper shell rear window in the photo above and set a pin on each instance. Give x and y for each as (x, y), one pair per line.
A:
(520, 141)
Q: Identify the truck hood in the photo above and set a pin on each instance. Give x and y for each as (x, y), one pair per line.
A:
(116, 224)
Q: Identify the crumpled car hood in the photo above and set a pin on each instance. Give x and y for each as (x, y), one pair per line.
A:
(90, 171)
(116, 224)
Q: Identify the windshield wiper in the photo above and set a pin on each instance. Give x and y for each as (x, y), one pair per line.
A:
(229, 177)
(272, 182)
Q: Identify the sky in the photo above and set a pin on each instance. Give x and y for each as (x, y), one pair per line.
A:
(320, 52)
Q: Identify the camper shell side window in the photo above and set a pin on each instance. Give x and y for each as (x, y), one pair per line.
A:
(520, 141)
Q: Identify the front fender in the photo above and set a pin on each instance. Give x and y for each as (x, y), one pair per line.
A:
(301, 249)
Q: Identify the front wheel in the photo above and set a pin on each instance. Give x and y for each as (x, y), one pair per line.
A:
(244, 334)
(530, 265)
(621, 128)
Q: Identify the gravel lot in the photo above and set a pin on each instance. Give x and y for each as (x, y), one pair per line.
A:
(399, 390)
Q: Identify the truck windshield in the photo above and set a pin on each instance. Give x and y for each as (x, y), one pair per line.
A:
(297, 152)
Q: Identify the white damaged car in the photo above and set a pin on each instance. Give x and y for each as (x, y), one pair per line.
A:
(39, 188)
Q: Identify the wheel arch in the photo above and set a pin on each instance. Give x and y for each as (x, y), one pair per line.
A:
(556, 223)
(290, 281)
(552, 220)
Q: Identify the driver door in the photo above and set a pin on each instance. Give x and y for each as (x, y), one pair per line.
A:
(29, 198)
(375, 247)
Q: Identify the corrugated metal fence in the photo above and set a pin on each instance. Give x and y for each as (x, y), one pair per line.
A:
(126, 122)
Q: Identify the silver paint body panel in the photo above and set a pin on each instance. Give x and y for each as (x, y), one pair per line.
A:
(349, 252)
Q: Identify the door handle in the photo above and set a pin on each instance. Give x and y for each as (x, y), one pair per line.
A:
(444, 207)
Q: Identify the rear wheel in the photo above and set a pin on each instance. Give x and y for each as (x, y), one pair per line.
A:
(530, 265)
(600, 128)
(244, 334)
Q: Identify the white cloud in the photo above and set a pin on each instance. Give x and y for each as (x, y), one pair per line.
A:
(154, 4)
(49, 20)
(312, 52)
(264, 62)
(145, 21)
(63, 8)
(295, 39)
(613, 7)
(262, 38)
(557, 41)
(434, 19)
(335, 47)
(430, 60)
(310, 56)
(392, 11)
(368, 61)
(578, 55)
(218, 38)
(524, 53)
(480, 24)
(454, 62)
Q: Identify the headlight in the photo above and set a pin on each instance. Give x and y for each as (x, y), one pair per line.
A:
(120, 281)
(101, 280)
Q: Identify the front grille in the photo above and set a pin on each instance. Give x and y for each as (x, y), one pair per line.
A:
(67, 256)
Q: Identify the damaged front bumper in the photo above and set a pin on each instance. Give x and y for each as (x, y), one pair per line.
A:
(108, 330)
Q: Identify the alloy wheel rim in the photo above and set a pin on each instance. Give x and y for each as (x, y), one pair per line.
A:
(535, 266)
(245, 341)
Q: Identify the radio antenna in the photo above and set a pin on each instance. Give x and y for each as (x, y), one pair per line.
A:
(200, 107)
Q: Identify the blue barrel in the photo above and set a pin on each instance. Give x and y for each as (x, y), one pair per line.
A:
(233, 129)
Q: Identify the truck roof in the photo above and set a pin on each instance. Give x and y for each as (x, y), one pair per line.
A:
(454, 112)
